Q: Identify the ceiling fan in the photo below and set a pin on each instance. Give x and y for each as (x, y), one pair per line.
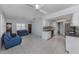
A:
(37, 7)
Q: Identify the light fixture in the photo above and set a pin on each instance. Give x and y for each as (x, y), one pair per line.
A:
(37, 6)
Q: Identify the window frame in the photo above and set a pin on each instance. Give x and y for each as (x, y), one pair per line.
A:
(20, 26)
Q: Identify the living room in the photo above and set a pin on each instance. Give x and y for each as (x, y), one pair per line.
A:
(40, 28)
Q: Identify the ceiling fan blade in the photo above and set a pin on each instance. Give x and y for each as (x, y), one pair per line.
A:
(44, 12)
(30, 5)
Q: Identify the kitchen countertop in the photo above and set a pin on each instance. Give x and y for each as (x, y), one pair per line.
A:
(47, 30)
(73, 35)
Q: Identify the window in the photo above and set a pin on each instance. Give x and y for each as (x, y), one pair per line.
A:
(20, 26)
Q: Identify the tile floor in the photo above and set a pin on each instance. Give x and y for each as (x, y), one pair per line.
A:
(32, 44)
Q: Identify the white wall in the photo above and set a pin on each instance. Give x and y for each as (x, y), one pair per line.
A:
(13, 21)
(37, 27)
(2, 26)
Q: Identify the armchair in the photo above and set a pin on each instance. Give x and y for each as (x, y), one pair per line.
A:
(11, 40)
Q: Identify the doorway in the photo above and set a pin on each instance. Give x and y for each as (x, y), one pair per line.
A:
(9, 27)
(60, 28)
(30, 28)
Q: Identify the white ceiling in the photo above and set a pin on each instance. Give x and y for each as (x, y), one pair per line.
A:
(20, 11)
(52, 8)
(25, 11)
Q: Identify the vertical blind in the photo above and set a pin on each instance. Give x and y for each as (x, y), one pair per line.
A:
(20, 26)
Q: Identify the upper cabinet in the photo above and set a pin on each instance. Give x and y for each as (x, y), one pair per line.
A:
(75, 19)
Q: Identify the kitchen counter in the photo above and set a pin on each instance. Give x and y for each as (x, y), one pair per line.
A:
(47, 32)
(46, 35)
(72, 44)
(48, 28)
(73, 35)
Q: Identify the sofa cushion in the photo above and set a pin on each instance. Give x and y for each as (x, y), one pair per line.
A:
(8, 35)
(13, 35)
(22, 32)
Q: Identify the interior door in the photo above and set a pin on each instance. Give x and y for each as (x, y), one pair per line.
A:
(8, 27)
(30, 28)
(60, 28)
(67, 28)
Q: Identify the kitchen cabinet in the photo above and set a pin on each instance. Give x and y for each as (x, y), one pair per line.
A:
(46, 35)
(75, 19)
(72, 44)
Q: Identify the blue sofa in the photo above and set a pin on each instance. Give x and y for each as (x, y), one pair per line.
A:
(10, 41)
(22, 32)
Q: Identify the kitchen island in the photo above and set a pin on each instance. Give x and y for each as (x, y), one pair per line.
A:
(47, 33)
(72, 44)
